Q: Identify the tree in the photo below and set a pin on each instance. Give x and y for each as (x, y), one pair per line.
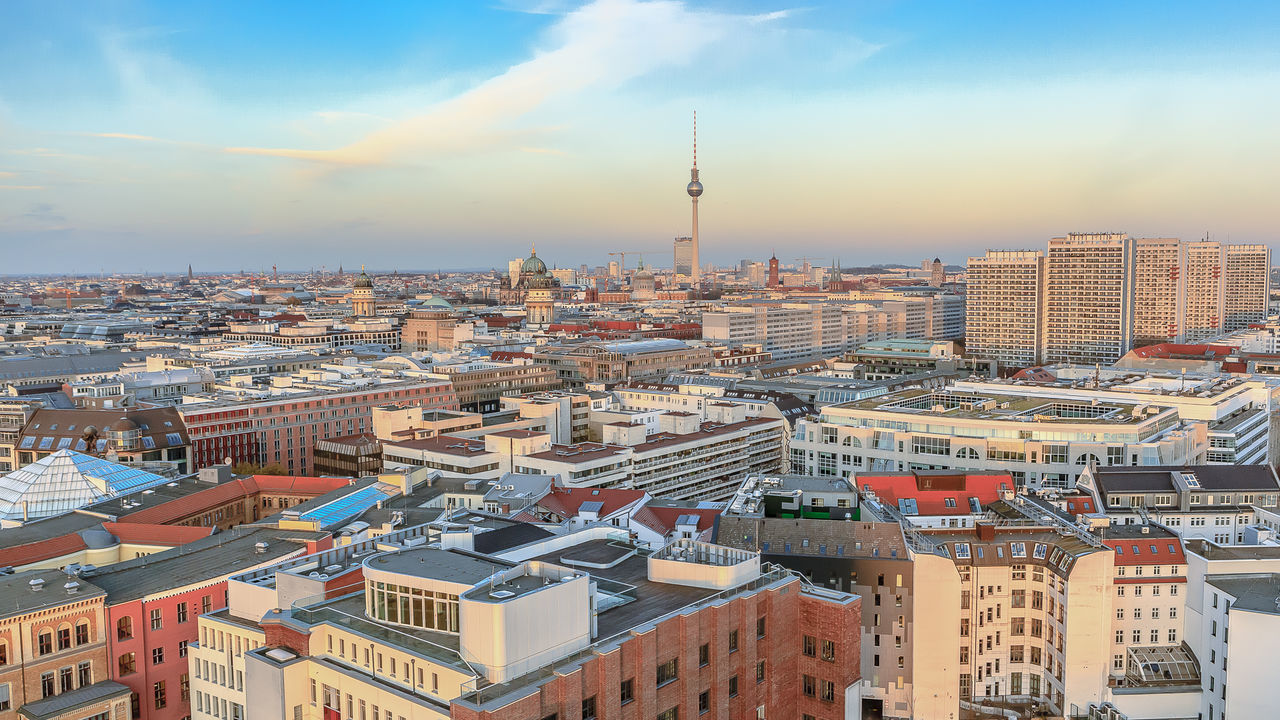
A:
(245, 468)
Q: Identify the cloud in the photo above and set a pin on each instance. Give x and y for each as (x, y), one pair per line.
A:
(22, 187)
(127, 136)
(600, 45)
(7, 174)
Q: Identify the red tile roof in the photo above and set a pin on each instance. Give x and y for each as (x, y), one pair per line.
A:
(663, 519)
(1156, 550)
(42, 550)
(931, 491)
(237, 489)
(565, 502)
(1080, 505)
(149, 534)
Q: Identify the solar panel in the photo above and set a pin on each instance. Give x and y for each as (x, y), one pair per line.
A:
(343, 509)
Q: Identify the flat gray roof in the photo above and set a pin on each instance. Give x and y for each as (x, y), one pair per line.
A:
(436, 565)
(1258, 592)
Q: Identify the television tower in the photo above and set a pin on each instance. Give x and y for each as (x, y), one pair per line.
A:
(695, 190)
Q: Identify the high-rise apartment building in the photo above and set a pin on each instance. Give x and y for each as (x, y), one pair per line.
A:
(1203, 298)
(1103, 294)
(1088, 298)
(1248, 269)
(1004, 317)
(1159, 285)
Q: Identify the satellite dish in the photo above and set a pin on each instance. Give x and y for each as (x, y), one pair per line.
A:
(226, 460)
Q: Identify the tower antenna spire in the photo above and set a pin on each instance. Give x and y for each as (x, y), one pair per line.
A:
(695, 138)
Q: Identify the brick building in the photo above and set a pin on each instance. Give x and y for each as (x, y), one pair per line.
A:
(693, 628)
(53, 647)
(283, 430)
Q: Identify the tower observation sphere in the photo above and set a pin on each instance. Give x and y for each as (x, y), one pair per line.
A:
(694, 188)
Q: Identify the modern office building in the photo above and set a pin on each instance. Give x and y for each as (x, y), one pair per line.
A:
(796, 330)
(683, 247)
(1040, 441)
(611, 362)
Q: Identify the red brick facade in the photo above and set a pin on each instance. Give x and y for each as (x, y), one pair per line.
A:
(788, 616)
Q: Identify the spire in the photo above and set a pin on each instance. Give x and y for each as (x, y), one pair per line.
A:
(533, 249)
(695, 138)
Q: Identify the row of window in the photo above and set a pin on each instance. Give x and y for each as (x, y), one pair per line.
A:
(124, 626)
(64, 638)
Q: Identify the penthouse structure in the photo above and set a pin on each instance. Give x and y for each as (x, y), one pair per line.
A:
(127, 435)
(432, 632)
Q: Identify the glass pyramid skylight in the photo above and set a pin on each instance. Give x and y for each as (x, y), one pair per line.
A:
(67, 480)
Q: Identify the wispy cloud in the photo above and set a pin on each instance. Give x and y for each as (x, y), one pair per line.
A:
(22, 187)
(603, 44)
(7, 174)
(126, 136)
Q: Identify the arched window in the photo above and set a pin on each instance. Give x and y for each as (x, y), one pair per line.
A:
(44, 641)
(82, 632)
(851, 441)
(64, 637)
(1087, 458)
(968, 453)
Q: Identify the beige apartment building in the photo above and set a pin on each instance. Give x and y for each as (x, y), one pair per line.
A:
(1003, 306)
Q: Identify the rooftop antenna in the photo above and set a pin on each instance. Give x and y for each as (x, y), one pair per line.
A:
(695, 138)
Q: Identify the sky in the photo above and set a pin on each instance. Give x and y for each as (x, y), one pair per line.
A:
(146, 136)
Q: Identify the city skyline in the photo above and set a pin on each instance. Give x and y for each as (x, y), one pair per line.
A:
(145, 136)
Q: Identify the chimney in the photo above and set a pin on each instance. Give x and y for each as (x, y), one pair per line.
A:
(986, 531)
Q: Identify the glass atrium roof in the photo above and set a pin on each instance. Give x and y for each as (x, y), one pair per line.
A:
(67, 480)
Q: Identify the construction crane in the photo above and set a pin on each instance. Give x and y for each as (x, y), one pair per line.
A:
(804, 262)
(623, 254)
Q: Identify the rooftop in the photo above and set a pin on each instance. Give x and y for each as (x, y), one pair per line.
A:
(1001, 407)
(208, 559)
(436, 564)
(1255, 592)
(19, 596)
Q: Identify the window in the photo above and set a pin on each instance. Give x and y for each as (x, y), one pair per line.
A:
(64, 638)
(124, 628)
(962, 550)
(84, 672)
(733, 686)
(828, 693)
(829, 650)
(182, 612)
(45, 642)
(157, 655)
(64, 680)
(704, 655)
(157, 691)
(810, 646)
(46, 685)
(126, 664)
(156, 621)
(82, 633)
(5, 701)
(588, 708)
(668, 671)
(206, 604)
(809, 686)
(760, 672)
(733, 641)
(704, 702)
(670, 714)
(760, 626)
(182, 648)
(627, 691)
